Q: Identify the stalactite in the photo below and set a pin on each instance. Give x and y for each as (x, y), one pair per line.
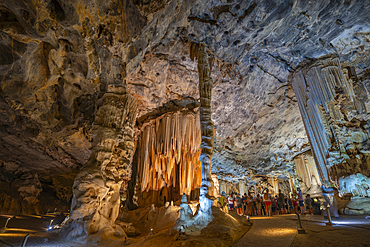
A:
(205, 63)
(167, 142)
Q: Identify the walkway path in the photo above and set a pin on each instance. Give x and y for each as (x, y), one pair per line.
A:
(277, 231)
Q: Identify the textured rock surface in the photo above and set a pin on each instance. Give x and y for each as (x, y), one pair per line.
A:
(96, 190)
(205, 63)
(57, 58)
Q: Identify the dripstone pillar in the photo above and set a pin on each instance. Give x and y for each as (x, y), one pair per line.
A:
(205, 62)
(96, 190)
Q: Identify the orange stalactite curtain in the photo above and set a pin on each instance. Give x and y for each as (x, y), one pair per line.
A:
(171, 141)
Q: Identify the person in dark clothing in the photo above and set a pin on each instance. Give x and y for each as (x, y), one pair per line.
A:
(273, 205)
(308, 203)
(263, 210)
(281, 202)
(244, 201)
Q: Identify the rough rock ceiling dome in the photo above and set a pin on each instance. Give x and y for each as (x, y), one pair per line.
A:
(59, 57)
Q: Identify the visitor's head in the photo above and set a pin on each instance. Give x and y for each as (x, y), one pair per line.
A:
(308, 195)
(279, 190)
(267, 190)
(298, 189)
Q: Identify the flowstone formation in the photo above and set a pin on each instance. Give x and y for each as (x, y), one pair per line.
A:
(334, 104)
(96, 191)
(306, 171)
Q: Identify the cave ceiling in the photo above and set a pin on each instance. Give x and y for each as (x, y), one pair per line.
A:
(59, 57)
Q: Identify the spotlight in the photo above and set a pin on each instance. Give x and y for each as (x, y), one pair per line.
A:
(50, 226)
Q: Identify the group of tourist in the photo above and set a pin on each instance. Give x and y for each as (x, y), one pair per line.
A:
(266, 204)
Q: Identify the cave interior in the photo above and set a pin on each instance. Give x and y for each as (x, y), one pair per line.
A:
(129, 117)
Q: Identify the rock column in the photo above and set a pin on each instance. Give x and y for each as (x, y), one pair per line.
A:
(205, 63)
(96, 190)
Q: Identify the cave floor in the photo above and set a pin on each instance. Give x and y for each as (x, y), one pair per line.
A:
(266, 230)
(279, 230)
(34, 225)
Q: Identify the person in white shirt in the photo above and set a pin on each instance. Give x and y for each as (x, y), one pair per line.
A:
(230, 202)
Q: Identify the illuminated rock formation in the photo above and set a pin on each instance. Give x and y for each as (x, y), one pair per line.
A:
(306, 170)
(96, 191)
(205, 63)
(169, 158)
(335, 123)
(332, 100)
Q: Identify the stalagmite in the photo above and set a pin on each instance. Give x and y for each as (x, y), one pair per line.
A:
(205, 63)
(96, 190)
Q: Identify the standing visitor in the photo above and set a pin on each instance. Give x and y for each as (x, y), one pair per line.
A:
(300, 199)
(263, 209)
(244, 201)
(238, 202)
(267, 199)
(223, 201)
(230, 202)
(258, 204)
(281, 202)
(290, 202)
(273, 205)
(250, 205)
(254, 206)
(295, 204)
(308, 203)
(287, 201)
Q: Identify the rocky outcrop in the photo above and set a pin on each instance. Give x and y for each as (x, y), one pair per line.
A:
(96, 190)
